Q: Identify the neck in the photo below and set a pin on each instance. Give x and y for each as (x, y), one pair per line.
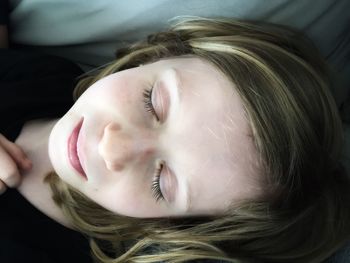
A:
(34, 139)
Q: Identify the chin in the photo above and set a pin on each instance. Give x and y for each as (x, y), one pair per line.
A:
(56, 148)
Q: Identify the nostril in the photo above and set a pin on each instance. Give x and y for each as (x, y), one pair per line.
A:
(110, 157)
(114, 166)
(113, 126)
(114, 147)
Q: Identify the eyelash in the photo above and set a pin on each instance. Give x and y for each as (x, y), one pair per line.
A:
(157, 193)
(147, 95)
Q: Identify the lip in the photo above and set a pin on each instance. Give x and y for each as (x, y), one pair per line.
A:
(73, 149)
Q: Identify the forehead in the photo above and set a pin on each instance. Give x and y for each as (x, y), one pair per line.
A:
(214, 154)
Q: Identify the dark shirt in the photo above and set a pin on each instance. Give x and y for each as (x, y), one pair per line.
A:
(34, 86)
(4, 12)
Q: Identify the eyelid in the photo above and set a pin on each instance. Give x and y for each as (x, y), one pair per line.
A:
(161, 99)
(168, 184)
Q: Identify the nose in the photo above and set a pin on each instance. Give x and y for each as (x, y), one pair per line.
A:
(118, 148)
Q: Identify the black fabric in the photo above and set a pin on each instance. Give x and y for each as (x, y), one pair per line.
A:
(34, 86)
(4, 12)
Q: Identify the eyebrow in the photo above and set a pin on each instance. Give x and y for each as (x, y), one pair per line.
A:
(175, 99)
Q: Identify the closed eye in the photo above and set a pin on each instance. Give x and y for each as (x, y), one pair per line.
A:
(147, 95)
(157, 193)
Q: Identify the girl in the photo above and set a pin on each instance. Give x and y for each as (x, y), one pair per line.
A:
(217, 139)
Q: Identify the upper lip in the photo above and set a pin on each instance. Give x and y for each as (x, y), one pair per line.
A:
(74, 148)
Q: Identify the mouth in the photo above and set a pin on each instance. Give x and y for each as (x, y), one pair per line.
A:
(73, 149)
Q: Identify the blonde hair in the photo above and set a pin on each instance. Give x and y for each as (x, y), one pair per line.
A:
(281, 80)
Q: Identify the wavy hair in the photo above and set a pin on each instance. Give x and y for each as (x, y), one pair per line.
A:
(282, 81)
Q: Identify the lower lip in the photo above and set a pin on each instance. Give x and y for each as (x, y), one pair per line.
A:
(72, 150)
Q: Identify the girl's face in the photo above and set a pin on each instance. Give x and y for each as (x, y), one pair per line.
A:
(197, 139)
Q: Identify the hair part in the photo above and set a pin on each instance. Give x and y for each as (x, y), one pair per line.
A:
(282, 82)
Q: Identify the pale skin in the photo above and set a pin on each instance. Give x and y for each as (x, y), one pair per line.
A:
(201, 136)
(12, 161)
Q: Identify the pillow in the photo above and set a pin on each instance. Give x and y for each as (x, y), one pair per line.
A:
(90, 33)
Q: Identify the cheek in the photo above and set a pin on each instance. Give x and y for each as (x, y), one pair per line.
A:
(123, 198)
(119, 97)
(109, 89)
(109, 98)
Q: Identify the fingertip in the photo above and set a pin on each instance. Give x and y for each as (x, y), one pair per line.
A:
(27, 164)
(2, 188)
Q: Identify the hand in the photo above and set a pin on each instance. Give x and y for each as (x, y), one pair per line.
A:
(12, 160)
